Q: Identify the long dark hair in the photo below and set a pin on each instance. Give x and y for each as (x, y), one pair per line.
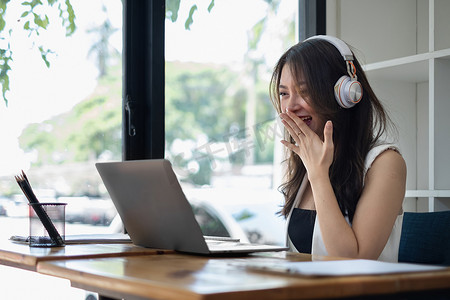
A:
(355, 130)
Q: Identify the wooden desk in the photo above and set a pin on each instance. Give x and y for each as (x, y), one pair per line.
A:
(25, 257)
(178, 276)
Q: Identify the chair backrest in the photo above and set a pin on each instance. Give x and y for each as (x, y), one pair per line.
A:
(425, 238)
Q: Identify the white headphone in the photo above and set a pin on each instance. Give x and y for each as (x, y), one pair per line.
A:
(347, 90)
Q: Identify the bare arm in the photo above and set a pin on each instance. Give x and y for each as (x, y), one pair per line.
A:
(375, 214)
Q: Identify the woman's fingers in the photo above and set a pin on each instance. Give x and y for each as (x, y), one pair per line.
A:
(295, 126)
(328, 134)
(296, 122)
(293, 130)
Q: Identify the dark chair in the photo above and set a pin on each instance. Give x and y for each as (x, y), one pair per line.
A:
(425, 238)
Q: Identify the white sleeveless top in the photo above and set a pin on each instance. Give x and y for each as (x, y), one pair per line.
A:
(390, 251)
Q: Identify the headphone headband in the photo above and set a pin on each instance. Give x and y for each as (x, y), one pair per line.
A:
(339, 44)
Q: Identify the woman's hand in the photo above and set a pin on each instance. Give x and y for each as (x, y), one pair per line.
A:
(316, 155)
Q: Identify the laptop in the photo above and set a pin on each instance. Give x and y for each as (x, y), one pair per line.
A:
(156, 213)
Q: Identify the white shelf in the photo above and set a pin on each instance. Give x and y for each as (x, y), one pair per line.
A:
(412, 68)
(427, 193)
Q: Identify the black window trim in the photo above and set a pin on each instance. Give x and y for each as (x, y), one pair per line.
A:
(143, 79)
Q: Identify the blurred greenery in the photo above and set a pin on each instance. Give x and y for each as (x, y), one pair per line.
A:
(204, 103)
(201, 100)
(90, 129)
(244, 214)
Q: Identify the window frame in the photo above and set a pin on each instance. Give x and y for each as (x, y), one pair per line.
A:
(143, 79)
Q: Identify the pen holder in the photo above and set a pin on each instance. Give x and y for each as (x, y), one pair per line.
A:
(39, 234)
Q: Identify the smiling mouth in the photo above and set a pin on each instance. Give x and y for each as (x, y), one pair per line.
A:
(307, 120)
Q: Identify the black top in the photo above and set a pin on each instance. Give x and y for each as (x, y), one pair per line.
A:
(300, 229)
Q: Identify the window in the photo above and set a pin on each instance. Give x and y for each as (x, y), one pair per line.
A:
(220, 129)
(63, 118)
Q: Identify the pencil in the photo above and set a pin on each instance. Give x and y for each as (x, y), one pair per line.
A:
(25, 186)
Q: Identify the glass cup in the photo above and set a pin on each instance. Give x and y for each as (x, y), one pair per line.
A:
(47, 224)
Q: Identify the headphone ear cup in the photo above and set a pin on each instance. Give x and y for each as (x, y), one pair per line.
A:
(347, 92)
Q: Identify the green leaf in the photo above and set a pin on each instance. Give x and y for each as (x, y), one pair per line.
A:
(2, 24)
(3, 6)
(44, 54)
(41, 22)
(44, 57)
(46, 21)
(25, 13)
(70, 29)
(27, 3)
(190, 19)
(172, 8)
(211, 5)
(4, 80)
(36, 19)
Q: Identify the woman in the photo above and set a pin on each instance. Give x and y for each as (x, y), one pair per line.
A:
(344, 185)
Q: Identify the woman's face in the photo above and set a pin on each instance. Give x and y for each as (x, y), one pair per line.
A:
(293, 97)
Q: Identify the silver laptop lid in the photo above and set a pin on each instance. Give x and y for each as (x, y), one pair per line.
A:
(152, 205)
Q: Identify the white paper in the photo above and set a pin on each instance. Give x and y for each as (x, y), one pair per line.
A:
(341, 267)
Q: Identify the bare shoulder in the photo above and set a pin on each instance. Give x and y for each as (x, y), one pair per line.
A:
(389, 163)
(386, 177)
